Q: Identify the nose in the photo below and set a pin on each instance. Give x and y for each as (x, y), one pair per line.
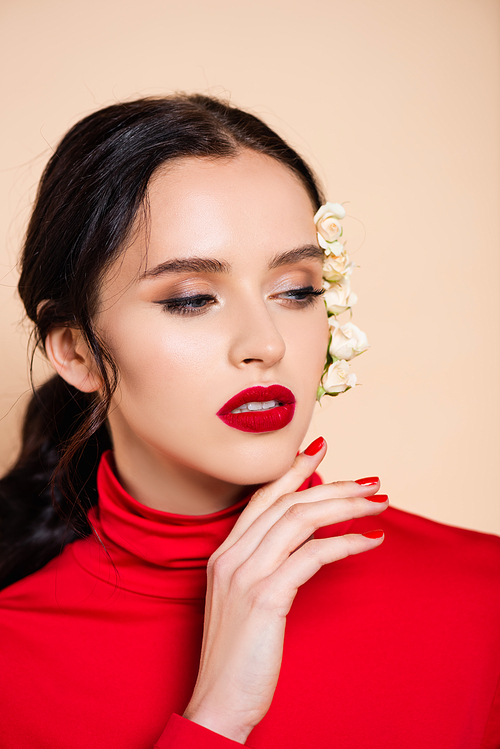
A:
(255, 337)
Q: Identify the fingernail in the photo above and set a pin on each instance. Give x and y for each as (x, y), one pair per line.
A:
(370, 481)
(373, 534)
(378, 498)
(315, 446)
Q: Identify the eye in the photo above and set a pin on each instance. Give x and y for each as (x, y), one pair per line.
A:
(188, 305)
(301, 297)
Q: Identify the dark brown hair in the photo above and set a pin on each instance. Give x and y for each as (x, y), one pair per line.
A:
(88, 198)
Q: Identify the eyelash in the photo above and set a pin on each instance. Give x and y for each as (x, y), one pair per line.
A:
(181, 306)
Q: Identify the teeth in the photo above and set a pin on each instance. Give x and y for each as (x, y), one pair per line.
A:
(256, 406)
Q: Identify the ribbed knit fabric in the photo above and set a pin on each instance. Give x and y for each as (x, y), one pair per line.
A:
(398, 648)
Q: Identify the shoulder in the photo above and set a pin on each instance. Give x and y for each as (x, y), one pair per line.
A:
(48, 588)
(427, 559)
(425, 548)
(457, 548)
(441, 567)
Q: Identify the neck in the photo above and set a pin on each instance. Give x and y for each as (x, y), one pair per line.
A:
(156, 482)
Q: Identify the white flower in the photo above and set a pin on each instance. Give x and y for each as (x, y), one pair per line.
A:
(330, 248)
(330, 209)
(338, 379)
(337, 266)
(338, 295)
(347, 341)
(327, 220)
(329, 230)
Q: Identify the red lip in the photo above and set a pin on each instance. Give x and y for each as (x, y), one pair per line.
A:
(260, 421)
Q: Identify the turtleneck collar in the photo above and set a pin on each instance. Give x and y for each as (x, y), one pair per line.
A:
(137, 548)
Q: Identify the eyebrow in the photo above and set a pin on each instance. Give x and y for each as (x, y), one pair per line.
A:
(187, 264)
(308, 252)
(211, 265)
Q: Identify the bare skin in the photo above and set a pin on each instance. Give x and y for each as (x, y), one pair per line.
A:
(247, 326)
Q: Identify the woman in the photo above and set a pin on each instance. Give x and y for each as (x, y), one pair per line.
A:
(173, 273)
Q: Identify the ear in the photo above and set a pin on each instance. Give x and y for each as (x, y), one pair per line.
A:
(72, 359)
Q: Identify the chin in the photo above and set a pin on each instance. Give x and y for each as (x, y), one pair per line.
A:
(256, 477)
(259, 465)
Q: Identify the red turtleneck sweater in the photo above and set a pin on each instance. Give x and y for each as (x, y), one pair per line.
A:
(397, 648)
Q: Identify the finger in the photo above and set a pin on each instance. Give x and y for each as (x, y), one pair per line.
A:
(255, 525)
(280, 589)
(260, 558)
(301, 469)
(277, 491)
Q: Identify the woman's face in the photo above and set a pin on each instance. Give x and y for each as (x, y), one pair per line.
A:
(210, 298)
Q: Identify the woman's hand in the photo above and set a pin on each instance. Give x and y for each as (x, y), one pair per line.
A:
(252, 581)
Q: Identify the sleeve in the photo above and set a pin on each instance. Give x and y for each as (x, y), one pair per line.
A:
(181, 733)
(491, 738)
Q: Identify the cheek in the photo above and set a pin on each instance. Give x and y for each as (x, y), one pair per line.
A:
(309, 340)
(323, 336)
(158, 365)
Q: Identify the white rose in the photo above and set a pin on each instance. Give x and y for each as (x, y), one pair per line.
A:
(338, 295)
(347, 341)
(337, 266)
(328, 227)
(329, 230)
(338, 379)
(330, 209)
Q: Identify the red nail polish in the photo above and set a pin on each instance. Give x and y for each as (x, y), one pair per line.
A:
(370, 481)
(378, 498)
(373, 534)
(315, 446)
